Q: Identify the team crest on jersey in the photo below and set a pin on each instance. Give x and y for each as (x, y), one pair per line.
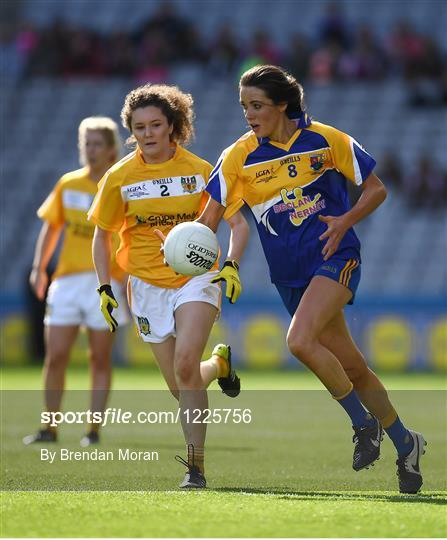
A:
(317, 161)
(189, 184)
(144, 326)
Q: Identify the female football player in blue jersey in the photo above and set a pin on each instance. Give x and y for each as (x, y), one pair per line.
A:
(292, 173)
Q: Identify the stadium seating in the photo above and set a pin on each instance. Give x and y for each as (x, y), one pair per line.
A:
(401, 246)
(283, 17)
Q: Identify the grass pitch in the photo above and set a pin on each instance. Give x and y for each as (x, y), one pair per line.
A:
(227, 514)
(286, 474)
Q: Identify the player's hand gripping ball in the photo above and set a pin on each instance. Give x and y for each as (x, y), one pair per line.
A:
(191, 248)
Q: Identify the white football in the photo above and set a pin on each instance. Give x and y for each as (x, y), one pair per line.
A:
(191, 248)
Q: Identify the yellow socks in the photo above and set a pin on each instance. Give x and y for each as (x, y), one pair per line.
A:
(223, 369)
(196, 457)
(389, 419)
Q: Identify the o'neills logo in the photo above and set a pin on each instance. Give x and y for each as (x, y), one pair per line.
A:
(300, 206)
(290, 159)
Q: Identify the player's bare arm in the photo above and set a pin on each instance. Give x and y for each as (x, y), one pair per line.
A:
(212, 214)
(101, 250)
(45, 246)
(240, 232)
(230, 270)
(373, 195)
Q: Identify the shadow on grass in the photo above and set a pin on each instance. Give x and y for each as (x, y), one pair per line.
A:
(437, 498)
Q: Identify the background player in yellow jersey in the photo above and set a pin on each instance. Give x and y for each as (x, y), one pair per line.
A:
(72, 299)
(154, 188)
(292, 172)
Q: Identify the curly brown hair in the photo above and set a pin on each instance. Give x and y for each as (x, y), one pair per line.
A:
(174, 104)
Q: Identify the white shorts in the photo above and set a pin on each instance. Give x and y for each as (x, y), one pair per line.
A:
(73, 301)
(153, 307)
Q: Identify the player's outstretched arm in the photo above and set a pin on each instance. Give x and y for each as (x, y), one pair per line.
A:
(230, 270)
(240, 232)
(212, 214)
(101, 258)
(45, 246)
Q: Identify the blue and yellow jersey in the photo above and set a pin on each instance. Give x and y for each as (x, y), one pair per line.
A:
(286, 187)
(135, 197)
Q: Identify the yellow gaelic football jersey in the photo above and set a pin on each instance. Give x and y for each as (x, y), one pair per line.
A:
(135, 198)
(67, 206)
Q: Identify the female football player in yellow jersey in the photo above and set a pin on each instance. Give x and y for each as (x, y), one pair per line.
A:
(143, 196)
(72, 300)
(291, 171)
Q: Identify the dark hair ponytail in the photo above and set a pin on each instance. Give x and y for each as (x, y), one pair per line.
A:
(278, 85)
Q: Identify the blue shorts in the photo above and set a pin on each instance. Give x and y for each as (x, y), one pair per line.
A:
(346, 272)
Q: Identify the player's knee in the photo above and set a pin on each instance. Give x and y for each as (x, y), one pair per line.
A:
(186, 369)
(184, 374)
(56, 359)
(99, 362)
(300, 346)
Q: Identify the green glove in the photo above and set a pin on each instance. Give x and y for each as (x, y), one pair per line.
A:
(108, 303)
(230, 274)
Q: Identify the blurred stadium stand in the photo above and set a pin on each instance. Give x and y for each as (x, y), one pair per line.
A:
(402, 246)
(404, 242)
(283, 17)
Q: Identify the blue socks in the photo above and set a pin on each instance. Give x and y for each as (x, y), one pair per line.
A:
(401, 437)
(397, 432)
(357, 413)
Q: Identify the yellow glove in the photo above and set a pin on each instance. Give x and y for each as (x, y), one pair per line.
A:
(108, 303)
(230, 274)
